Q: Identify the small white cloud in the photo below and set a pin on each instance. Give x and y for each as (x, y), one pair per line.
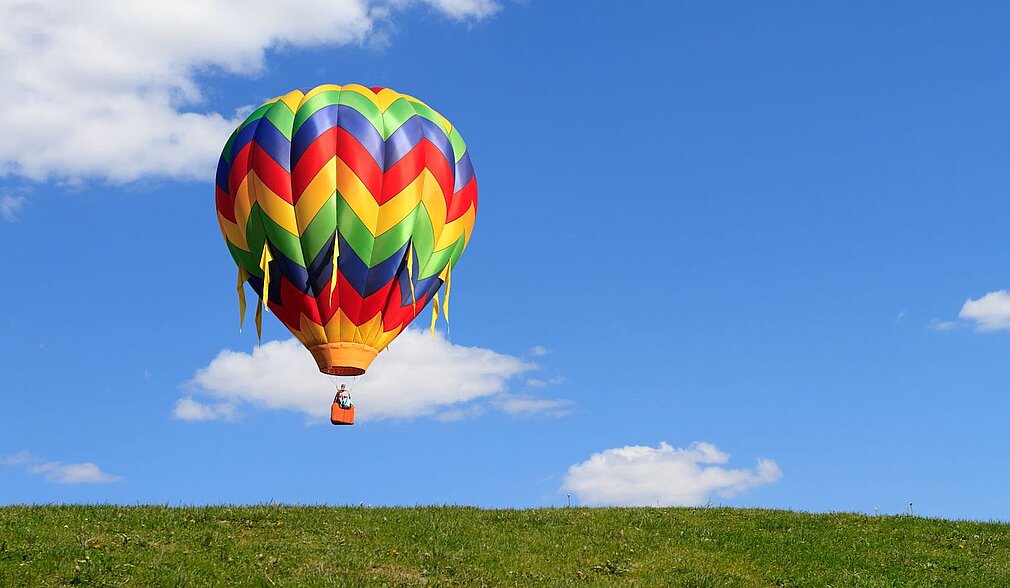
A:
(539, 351)
(18, 459)
(418, 375)
(464, 9)
(663, 476)
(59, 472)
(187, 409)
(73, 473)
(543, 383)
(989, 313)
(10, 206)
(522, 404)
(938, 325)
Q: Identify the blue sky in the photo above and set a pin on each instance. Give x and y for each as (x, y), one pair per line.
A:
(776, 230)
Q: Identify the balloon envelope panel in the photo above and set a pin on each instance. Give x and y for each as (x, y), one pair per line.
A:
(351, 205)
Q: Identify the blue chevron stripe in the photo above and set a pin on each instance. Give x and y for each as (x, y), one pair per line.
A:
(464, 172)
(403, 140)
(274, 143)
(337, 115)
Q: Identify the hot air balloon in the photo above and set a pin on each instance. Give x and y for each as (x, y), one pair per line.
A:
(345, 209)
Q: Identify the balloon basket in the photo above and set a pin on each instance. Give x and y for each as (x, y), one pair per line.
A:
(341, 416)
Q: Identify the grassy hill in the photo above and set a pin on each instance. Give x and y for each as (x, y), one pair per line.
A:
(457, 546)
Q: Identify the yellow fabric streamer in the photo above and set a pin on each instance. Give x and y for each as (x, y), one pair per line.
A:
(265, 266)
(259, 322)
(434, 314)
(242, 277)
(448, 289)
(333, 276)
(410, 275)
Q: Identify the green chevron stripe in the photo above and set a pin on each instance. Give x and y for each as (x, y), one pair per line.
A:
(280, 116)
(423, 238)
(226, 152)
(320, 229)
(373, 250)
(458, 145)
(285, 242)
(323, 99)
(353, 230)
(457, 250)
(422, 110)
(398, 113)
(366, 107)
(250, 260)
(255, 116)
(392, 240)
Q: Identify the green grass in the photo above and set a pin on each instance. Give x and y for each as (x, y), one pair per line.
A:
(275, 545)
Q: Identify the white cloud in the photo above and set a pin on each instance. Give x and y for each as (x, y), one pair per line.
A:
(539, 351)
(10, 206)
(465, 9)
(108, 88)
(989, 313)
(517, 404)
(187, 409)
(59, 472)
(417, 376)
(663, 476)
(543, 383)
(938, 325)
(21, 458)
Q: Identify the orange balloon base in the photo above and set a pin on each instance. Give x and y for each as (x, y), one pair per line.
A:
(343, 359)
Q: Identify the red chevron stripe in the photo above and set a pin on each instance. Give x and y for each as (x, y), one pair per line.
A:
(294, 303)
(395, 315)
(225, 204)
(288, 308)
(405, 171)
(314, 158)
(462, 201)
(271, 173)
(239, 169)
(348, 149)
(360, 161)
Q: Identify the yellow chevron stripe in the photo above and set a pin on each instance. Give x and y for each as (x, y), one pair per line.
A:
(365, 92)
(332, 329)
(434, 204)
(357, 196)
(450, 234)
(315, 195)
(313, 333)
(403, 204)
(379, 219)
(278, 209)
(319, 90)
(341, 329)
(292, 99)
(233, 232)
(243, 204)
(372, 329)
(298, 335)
(385, 338)
(386, 98)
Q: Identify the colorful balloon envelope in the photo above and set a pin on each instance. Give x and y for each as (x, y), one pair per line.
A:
(345, 208)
